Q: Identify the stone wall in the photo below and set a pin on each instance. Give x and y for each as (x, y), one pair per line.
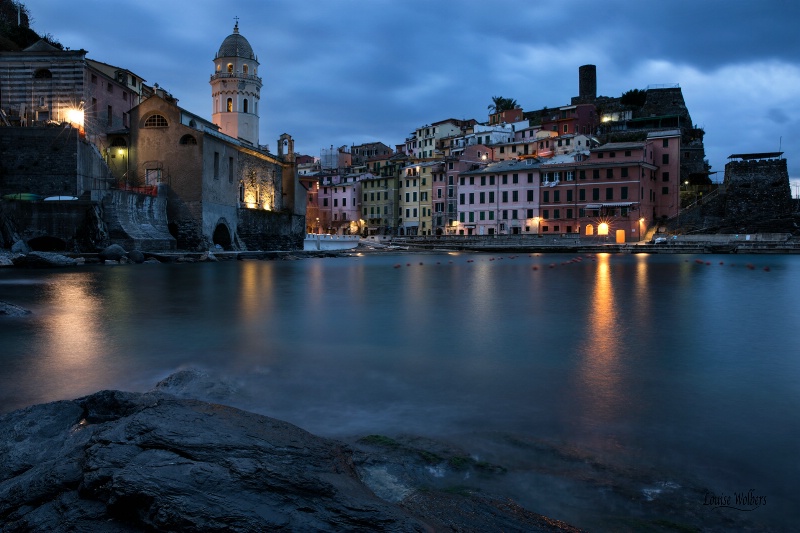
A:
(137, 221)
(267, 230)
(39, 160)
(48, 226)
(50, 161)
(757, 190)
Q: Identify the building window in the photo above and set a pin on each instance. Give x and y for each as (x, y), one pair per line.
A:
(110, 115)
(581, 195)
(596, 193)
(45, 74)
(230, 67)
(665, 143)
(664, 190)
(610, 172)
(624, 193)
(244, 106)
(624, 172)
(609, 193)
(155, 121)
(665, 176)
(188, 139)
(665, 159)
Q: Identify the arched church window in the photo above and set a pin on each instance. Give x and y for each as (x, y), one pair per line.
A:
(188, 139)
(244, 105)
(230, 105)
(244, 68)
(42, 74)
(219, 68)
(156, 121)
(230, 67)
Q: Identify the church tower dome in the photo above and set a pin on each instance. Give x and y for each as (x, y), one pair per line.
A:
(236, 88)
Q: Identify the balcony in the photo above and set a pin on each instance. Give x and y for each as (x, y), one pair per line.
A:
(235, 75)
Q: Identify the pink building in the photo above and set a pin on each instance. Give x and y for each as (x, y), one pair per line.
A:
(339, 208)
(618, 191)
(579, 118)
(500, 198)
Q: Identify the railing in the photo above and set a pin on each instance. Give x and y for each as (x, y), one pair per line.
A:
(218, 75)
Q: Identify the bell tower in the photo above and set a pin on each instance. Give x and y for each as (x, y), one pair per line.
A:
(236, 88)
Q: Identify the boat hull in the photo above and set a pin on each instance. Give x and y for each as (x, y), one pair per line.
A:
(314, 241)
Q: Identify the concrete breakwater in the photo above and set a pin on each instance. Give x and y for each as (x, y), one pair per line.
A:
(775, 243)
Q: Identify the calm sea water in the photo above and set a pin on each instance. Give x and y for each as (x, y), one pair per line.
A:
(607, 385)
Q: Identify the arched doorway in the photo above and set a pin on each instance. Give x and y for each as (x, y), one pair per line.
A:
(46, 243)
(222, 236)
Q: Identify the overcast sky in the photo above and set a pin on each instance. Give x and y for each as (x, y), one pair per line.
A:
(343, 72)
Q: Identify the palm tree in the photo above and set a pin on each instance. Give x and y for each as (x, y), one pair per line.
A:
(500, 104)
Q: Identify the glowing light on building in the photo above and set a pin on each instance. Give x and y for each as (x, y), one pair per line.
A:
(75, 116)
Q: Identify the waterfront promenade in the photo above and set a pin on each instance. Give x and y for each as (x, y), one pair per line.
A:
(712, 243)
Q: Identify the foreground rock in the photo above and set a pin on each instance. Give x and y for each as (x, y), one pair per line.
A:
(117, 461)
(43, 260)
(7, 309)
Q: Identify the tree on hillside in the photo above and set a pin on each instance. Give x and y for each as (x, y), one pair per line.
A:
(634, 98)
(17, 36)
(500, 104)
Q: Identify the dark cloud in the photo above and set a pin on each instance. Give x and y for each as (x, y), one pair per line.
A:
(358, 70)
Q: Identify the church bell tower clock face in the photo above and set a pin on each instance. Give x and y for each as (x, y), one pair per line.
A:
(235, 105)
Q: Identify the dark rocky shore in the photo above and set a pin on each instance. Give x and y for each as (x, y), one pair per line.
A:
(121, 461)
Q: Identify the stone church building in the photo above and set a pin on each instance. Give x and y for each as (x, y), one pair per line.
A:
(223, 187)
(160, 177)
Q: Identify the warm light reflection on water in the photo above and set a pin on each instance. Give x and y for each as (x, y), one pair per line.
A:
(601, 350)
(72, 340)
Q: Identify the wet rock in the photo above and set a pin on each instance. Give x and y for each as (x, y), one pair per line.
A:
(43, 260)
(7, 309)
(113, 252)
(118, 461)
(136, 256)
(197, 384)
(20, 247)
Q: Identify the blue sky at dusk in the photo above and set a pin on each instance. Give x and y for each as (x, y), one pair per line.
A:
(346, 72)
